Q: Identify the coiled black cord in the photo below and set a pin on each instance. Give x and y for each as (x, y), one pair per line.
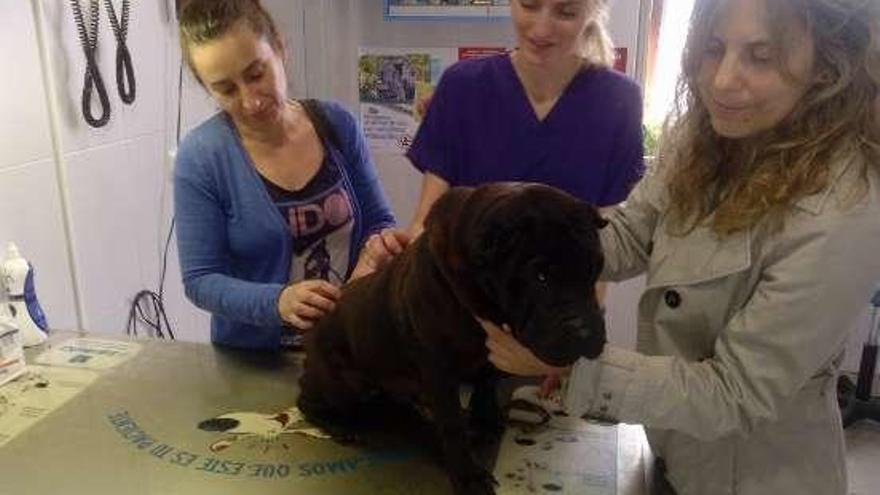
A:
(125, 81)
(148, 307)
(88, 38)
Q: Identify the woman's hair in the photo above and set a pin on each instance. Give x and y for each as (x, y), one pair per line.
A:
(737, 183)
(202, 21)
(599, 49)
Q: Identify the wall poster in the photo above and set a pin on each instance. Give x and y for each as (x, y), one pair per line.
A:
(446, 9)
(394, 87)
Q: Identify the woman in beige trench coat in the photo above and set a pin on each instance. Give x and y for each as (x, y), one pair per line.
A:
(759, 233)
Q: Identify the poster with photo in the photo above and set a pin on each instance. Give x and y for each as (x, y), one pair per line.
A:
(394, 86)
(446, 9)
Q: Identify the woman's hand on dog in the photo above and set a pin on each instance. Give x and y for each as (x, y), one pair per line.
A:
(304, 303)
(379, 250)
(507, 354)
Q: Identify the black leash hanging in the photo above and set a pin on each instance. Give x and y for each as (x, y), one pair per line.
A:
(124, 67)
(88, 37)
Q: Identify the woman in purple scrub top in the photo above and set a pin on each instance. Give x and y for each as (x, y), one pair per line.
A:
(551, 111)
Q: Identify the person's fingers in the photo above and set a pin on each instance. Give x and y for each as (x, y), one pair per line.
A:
(394, 240)
(376, 253)
(501, 363)
(308, 311)
(549, 385)
(318, 301)
(492, 330)
(404, 237)
(500, 351)
(323, 288)
(374, 243)
(299, 323)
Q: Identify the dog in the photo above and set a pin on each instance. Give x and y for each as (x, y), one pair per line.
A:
(527, 255)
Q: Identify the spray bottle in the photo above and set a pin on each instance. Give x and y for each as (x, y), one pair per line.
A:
(22, 305)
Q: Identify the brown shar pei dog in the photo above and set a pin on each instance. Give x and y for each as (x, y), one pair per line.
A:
(523, 254)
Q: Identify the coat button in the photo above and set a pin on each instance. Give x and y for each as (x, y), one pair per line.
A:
(672, 298)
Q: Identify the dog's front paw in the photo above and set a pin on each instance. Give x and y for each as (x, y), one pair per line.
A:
(479, 483)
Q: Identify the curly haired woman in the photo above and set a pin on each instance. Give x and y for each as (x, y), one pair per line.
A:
(759, 232)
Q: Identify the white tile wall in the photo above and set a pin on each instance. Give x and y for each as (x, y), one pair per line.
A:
(115, 213)
(30, 216)
(24, 125)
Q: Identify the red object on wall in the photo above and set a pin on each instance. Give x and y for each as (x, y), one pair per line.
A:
(466, 52)
(620, 59)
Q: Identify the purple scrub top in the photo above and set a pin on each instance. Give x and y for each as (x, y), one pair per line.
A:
(480, 127)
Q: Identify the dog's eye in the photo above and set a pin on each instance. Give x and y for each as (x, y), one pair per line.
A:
(542, 277)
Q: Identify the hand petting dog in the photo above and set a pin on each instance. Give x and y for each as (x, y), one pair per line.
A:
(507, 354)
(304, 303)
(379, 250)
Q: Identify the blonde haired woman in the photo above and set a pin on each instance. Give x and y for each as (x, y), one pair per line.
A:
(759, 233)
(551, 111)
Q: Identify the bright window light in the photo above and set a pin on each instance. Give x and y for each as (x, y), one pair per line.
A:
(673, 31)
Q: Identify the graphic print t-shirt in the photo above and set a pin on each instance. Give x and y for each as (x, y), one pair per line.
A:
(319, 219)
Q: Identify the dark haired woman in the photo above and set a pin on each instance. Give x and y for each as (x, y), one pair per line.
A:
(274, 198)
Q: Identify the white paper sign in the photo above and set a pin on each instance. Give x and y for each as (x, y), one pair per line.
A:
(35, 394)
(95, 354)
(567, 456)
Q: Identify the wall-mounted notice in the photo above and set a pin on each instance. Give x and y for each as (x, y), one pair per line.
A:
(446, 9)
(394, 87)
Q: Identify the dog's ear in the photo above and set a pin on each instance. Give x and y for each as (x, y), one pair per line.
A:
(488, 228)
(452, 227)
(441, 223)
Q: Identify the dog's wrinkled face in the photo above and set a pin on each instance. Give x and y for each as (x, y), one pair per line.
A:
(527, 255)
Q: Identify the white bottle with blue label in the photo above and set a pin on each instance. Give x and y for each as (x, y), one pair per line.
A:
(22, 305)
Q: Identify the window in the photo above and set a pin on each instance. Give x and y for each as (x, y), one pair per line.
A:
(666, 38)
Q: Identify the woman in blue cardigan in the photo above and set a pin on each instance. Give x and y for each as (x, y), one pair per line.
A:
(274, 198)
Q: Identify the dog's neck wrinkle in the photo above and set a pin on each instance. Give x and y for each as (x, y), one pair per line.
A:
(405, 273)
(461, 286)
(429, 300)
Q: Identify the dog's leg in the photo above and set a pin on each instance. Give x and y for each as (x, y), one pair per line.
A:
(468, 478)
(486, 419)
(327, 398)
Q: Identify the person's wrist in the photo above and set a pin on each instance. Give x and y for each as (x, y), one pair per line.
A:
(278, 303)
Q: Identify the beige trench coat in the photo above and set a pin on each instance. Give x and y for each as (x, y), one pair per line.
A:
(739, 340)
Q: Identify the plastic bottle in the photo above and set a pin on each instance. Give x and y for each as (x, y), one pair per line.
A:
(22, 305)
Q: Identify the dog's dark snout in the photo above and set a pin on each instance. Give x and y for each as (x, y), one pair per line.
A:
(588, 334)
(574, 322)
(579, 327)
